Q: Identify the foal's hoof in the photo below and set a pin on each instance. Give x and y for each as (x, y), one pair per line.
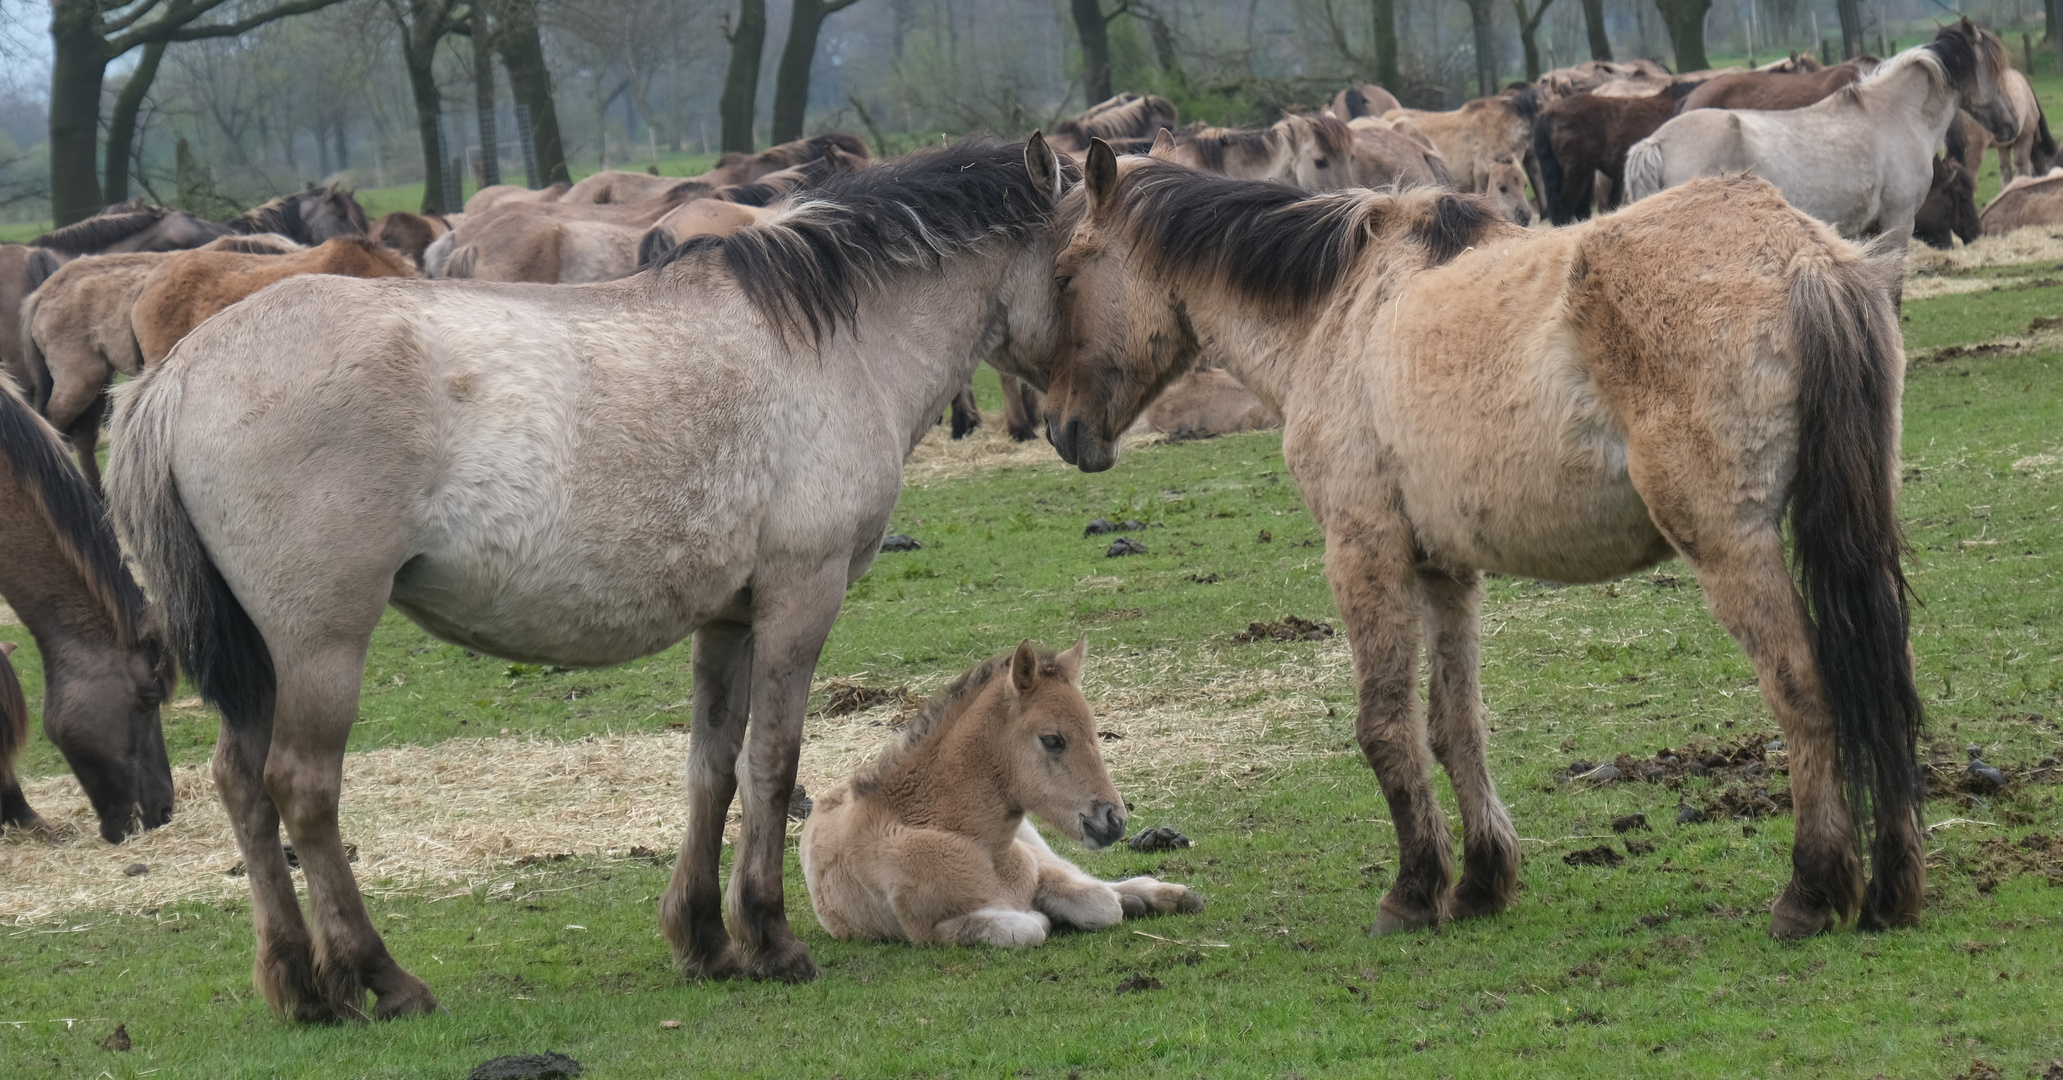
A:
(789, 965)
(411, 998)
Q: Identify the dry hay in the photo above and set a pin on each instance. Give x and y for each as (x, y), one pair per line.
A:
(8, 617)
(2031, 244)
(457, 816)
(941, 457)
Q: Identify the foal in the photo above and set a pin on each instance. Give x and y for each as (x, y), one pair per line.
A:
(930, 843)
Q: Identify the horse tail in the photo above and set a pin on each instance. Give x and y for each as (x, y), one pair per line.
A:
(1847, 548)
(2044, 143)
(208, 629)
(34, 363)
(1643, 170)
(1550, 170)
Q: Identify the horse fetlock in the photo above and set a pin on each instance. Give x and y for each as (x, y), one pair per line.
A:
(788, 962)
(1090, 908)
(1897, 891)
(1161, 897)
(997, 926)
(404, 995)
(285, 974)
(1392, 917)
(1800, 913)
(341, 987)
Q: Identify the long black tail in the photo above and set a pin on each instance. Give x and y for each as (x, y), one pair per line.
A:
(1848, 547)
(1551, 179)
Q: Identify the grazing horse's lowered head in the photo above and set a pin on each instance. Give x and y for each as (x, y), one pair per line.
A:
(1950, 208)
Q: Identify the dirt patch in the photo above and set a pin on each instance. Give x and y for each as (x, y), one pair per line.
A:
(2045, 322)
(1999, 857)
(1134, 984)
(1291, 628)
(843, 697)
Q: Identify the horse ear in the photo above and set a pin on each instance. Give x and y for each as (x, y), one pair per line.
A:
(1163, 146)
(1070, 662)
(1101, 174)
(1024, 668)
(1044, 167)
(7, 648)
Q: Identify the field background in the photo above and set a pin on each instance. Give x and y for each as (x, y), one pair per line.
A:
(543, 935)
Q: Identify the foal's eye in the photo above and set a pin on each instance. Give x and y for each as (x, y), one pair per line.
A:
(1321, 163)
(1063, 282)
(1053, 742)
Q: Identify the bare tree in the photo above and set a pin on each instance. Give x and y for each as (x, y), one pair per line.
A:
(1686, 22)
(423, 24)
(1479, 13)
(791, 80)
(1594, 21)
(1529, 33)
(518, 40)
(741, 80)
(1092, 27)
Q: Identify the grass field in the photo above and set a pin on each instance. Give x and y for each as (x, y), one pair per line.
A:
(1657, 966)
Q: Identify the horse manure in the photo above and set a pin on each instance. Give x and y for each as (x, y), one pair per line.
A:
(117, 1039)
(1104, 525)
(1640, 847)
(800, 804)
(1629, 823)
(1601, 855)
(844, 697)
(135, 869)
(1205, 579)
(1603, 774)
(1983, 777)
(545, 1066)
(900, 542)
(1266, 537)
(533, 860)
(1747, 830)
(1140, 983)
(1159, 838)
(1291, 628)
(1689, 815)
(1124, 545)
(1981, 1069)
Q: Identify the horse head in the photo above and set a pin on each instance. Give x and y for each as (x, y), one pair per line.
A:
(1975, 63)
(329, 212)
(1049, 747)
(1950, 208)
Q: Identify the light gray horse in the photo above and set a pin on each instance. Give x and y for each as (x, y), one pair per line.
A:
(575, 475)
(1860, 159)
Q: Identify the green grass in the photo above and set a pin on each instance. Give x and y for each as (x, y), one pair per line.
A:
(1659, 967)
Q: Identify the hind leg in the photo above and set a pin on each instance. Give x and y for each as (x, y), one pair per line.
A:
(285, 967)
(1369, 564)
(691, 912)
(1454, 708)
(76, 409)
(966, 414)
(1021, 409)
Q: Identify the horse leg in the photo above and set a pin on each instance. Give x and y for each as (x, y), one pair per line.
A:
(691, 912)
(1454, 713)
(789, 625)
(75, 408)
(317, 702)
(1020, 409)
(966, 414)
(285, 967)
(1369, 565)
(84, 435)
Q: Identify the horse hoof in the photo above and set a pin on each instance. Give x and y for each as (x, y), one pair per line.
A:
(1134, 906)
(1190, 903)
(1388, 921)
(1794, 922)
(1474, 903)
(718, 966)
(791, 965)
(413, 999)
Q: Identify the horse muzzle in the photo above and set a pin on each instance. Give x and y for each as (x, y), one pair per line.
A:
(1079, 446)
(1103, 825)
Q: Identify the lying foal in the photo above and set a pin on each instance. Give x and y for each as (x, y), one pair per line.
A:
(930, 842)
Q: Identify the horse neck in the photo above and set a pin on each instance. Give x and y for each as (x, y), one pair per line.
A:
(913, 334)
(1912, 85)
(957, 780)
(1267, 354)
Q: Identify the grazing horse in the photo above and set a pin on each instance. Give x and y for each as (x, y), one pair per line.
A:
(1776, 89)
(582, 476)
(1860, 159)
(932, 842)
(2028, 200)
(106, 666)
(1950, 208)
(190, 286)
(1126, 116)
(1578, 138)
(1461, 395)
(733, 168)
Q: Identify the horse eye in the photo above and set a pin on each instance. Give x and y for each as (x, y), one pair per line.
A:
(1321, 163)
(1053, 742)
(1064, 281)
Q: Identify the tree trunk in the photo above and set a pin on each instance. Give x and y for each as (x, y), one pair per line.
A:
(2052, 24)
(78, 62)
(791, 82)
(121, 126)
(1383, 30)
(1686, 22)
(1094, 32)
(1529, 34)
(530, 82)
(428, 105)
(1479, 12)
(741, 80)
(483, 95)
(1594, 19)
(1851, 26)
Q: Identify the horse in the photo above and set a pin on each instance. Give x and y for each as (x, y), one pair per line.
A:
(2032, 148)
(2027, 200)
(76, 335)
(496, 194)
(190, 286)
(1205, 402)
(554, 243)
(1479, 133)
(614, 186)
(1950, 208)
(409, 234)
(1367, 99)
(1126, 116)
(1367, 152)
(1579, 138)
(1776, 89)
(130, 227)
(581, 476)
(106, 666)
(738, 206)
(1292, 147)
(1460, 395)
(309, 217)
(15, 811)
(22, 270)
(1859, 159)
(931, 842)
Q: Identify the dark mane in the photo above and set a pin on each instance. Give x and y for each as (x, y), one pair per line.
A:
(947, 704)
(810, 149)
(1279, 245)
(1213, 144)
(110, 226)
(30, 448)
(280, 214)
(1956, 47)
(1526, 102)
(803, 269)
(1680, 90)
(1126, 116)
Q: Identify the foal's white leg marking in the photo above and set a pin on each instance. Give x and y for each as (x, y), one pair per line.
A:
(1160, 897)
(996, 926)
(1065, 892)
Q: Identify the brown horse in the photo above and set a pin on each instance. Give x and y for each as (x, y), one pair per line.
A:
(15, 811)
(932, 842)
(1462, 395)
(306, 217)
(1950, 208)
(1776, 89)
(1580, 137)
(192, 285)
(22, 269)
(409, 234)
(1126, 116)
(106, 667)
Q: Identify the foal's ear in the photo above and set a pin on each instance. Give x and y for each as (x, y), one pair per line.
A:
(1024, 668)
(1101, 174)
(1044, 167)
(1163, 146)
(1070, 662)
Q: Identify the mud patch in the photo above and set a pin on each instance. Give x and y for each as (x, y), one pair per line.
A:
(1601, 855)
(1291, 628)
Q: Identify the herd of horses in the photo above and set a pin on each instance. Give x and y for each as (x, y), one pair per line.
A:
(579, 425)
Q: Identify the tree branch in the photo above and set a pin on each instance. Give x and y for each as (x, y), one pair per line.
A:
(177, 20)
(1124, 7)
(116, 26)
(838, 5)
